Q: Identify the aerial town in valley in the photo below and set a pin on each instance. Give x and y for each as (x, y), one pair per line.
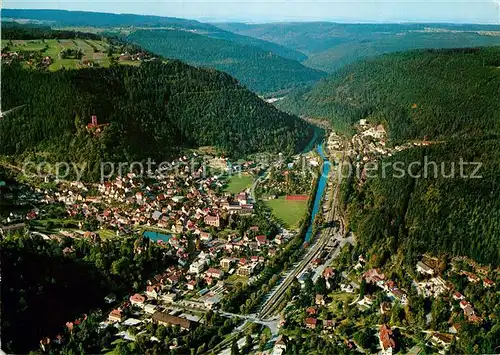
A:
(237, 262)
(176, 185)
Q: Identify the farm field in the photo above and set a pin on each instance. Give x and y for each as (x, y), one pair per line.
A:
(94, 52)
(288, 212)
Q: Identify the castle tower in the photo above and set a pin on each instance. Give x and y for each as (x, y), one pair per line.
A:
(94, 120)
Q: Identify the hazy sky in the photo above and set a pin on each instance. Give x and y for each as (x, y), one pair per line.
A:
(472, 11)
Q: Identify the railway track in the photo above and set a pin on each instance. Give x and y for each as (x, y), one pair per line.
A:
(272, 303)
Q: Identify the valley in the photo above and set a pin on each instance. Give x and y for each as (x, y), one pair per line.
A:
(235, 188)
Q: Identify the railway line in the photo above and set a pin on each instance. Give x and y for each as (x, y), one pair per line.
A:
(315, 251)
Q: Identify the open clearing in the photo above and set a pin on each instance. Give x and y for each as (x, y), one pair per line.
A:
(288, 212)
(94, 52)
(239, 183)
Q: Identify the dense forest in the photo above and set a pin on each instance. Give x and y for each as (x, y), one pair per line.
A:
(99, 19)
(448, 96)
(339, 56)
(259, 70)
(434, 93)
(152, 111)
(115, 22)
(330, 46)
(437, 213)
(12, 31)
(75, 277)
(316, 37)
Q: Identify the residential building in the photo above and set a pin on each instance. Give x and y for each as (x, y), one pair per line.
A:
(328, 324)
(215, 273)
(197, 267)
(225, 263)
(213, 221)
(311, 323)
(137, 300)
(261, 240)
(205, 237)
(488, 283)
(169, 297)
(311, 311)
(320, 300)
(247, 270)
(152, 291)
(115, 315)
(386, 340)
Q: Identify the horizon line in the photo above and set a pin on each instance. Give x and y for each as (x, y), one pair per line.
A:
(215, 19)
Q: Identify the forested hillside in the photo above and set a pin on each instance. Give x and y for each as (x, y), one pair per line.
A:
(76, 276)
(259, 70)
(346, 53)
(330, 46)
(153, 111)
(455, 215)
(448, 96)
(434, 93)
(315, 37)
(15, 31)
(116, 22)
(99, 19)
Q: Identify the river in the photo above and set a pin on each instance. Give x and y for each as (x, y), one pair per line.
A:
(320, 190)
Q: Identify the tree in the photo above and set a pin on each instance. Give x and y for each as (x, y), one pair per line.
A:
(235, 350)
(120, 265)
(363, 338)
(122, 348)
(362, 288)
(321, 286)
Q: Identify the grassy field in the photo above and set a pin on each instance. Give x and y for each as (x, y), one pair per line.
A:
(289, 213)
(106, 234)
(55, 46)
(239, 183)
(234, 279)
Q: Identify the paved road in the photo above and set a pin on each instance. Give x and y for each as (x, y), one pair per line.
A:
(272, 323)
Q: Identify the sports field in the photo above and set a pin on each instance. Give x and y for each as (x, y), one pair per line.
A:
(289, 213)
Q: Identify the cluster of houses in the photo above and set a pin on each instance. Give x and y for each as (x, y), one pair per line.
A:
(311, 321)
(178, 201)
(436, 286)
(139, 56)
(163, 291)
(28, 57)
(374, 277)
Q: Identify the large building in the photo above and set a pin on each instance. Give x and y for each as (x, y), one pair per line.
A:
(424, 268)
(167, 319)
(213, 221)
